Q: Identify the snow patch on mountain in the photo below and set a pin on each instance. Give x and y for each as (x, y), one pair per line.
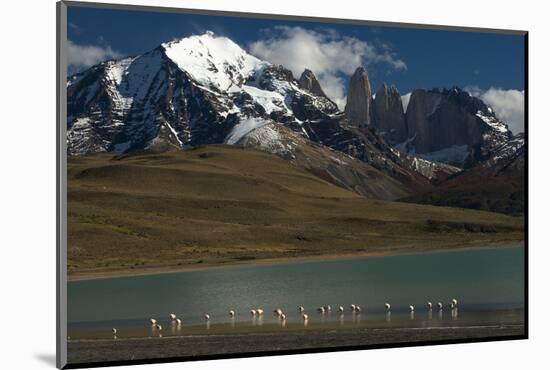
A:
(506, 150)
(81, 129)
(133, 78)
(271, 101)
(244, 127)
(270, 139)
(492, 121)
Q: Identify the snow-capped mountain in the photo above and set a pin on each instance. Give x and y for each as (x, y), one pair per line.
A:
(206, 89)
(186, 92)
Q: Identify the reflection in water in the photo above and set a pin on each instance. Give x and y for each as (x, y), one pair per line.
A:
(155, 329)
(454, 313)
(430, 314)
(175, 327)
(393, 319)
(232, 322)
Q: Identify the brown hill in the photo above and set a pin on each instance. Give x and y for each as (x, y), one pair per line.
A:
(222, 204)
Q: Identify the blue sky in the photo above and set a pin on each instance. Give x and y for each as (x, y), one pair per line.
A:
(407, 58)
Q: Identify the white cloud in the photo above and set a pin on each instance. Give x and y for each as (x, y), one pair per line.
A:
(326, 53)
(405, 101)
(82, 56)
(508, 105)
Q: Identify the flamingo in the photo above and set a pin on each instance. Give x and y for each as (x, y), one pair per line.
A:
(301, 309)
(429, 304)
(439, 305)
(411, 308)
(172, 317)
(305, 316)
(207, 317)
(341, 309)
(231, 313)
(387, 306)
(114, 331)
(153, 321)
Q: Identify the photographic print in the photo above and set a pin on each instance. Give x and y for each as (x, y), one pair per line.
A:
(241, 184)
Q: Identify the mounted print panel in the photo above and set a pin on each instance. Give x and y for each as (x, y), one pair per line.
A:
(240, 184)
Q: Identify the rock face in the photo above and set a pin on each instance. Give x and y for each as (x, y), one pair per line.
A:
(309, 82)
(452, 126)
(388, 116)
(437, 123)
(359, 100)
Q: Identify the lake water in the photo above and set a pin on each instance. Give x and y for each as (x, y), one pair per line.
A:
(489, 284)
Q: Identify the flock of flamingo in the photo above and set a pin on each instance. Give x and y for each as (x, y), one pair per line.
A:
(259, 312)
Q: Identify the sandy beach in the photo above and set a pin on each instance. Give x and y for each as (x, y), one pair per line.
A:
(97, 350)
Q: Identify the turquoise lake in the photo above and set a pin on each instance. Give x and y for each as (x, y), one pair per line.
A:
(484, 281)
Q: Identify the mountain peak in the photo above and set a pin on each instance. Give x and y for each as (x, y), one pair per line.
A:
(214, 61)
(360, 71)
(309, 82)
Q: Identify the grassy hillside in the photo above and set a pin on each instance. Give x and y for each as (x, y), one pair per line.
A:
(220, 204)
(496, 188)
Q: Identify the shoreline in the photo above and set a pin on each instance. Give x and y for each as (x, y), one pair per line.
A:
(157, 270)
(89, 351)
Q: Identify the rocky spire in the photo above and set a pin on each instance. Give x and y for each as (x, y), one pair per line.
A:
(309, 82)
(388, 116)
(359, 99)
